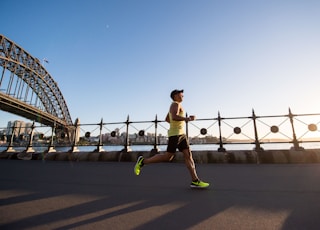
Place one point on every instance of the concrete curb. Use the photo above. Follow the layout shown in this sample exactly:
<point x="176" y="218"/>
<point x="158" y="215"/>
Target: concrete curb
<point x="202" y="157"/>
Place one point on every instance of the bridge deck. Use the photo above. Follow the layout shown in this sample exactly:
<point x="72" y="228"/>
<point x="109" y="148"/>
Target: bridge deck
<point x="106" y="195"/>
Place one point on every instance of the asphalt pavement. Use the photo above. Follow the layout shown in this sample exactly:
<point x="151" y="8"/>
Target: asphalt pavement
<point x="107" y="195"/>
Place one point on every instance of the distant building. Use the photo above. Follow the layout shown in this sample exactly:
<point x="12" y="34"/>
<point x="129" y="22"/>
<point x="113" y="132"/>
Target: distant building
<point x="28" y="128"/>
<point x="16" y="128"/>
<point x="3" y="137"/>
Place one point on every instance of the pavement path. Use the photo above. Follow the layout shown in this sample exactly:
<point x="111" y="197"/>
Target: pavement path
<point x="107" y="195"/>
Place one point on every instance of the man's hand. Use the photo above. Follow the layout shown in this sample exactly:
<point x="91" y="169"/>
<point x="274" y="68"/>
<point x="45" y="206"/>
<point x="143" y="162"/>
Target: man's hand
<point x="192" y="117"/>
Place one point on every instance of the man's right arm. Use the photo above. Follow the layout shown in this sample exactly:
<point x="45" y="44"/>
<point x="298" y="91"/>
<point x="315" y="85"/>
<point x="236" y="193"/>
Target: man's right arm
<point x="174" y="110"/>
<point x="168" y="118"/>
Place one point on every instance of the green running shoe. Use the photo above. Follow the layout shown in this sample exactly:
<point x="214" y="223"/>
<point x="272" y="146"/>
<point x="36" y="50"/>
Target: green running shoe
<point x="199" y="184"/>
<point x="138" y="166"/>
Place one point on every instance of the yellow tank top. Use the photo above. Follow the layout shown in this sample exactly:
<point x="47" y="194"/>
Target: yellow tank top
<point x="176" y="127"/>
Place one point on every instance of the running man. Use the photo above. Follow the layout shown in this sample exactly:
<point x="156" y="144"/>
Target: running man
<point x="177" y="140"/>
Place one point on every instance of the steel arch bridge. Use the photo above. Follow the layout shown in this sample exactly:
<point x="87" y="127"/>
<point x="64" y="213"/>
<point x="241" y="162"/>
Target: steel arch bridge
<point x="27" y="89"/>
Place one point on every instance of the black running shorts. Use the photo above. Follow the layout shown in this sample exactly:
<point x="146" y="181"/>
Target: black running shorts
<point x="177" y="142"/>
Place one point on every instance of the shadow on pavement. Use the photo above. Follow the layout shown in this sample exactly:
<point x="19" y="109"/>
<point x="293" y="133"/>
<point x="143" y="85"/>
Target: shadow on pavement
<point x="91" y="195"/>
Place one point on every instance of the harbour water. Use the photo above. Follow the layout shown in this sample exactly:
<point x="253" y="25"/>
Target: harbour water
<point x="202" y="147"/>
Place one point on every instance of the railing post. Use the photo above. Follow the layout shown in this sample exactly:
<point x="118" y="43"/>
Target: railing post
<point x="155" y="144"/>
<point x="124" y="152"/>
<point x="295" y="141"/>
<point x="221" y="148"/>
<point x="187" y="128"/>
<point x="51" y="146"/>
<point x="27" y="154"/>
<point x="29" y="148"/>
<point x="76" y="130"/>
<point x="99" y="146"/>
<point x="127" y="142"/>
<point x="10" y="146"/>
<point x="257" y="143"/>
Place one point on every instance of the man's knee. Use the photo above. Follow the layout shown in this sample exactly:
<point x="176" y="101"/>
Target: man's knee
<point x="187" y="153"/>
<point x="169" y="156"/>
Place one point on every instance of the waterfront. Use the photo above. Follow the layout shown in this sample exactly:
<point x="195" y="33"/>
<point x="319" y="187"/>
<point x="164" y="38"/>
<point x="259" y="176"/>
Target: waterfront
<point x="202" y="147"/>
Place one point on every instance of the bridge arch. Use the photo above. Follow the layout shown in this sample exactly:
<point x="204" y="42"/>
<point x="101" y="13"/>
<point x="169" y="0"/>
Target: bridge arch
<point x="27" y="89"/>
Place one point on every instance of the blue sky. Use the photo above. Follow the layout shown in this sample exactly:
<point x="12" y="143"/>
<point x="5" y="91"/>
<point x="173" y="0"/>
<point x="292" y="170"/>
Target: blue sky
<point x="117" y="58"/>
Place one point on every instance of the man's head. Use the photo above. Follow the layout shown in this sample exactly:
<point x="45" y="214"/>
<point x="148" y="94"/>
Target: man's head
<point x="175" y="92"/>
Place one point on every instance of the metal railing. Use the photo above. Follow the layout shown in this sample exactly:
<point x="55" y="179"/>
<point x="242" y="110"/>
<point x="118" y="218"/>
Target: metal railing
<point x="252" y="130"/>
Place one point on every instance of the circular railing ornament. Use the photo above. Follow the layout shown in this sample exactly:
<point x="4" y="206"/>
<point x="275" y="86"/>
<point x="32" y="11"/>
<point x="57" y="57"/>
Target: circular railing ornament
<point x="274" y="129"/>
<point x="141" y="133"/>
<point x="237" y="130"/>
<point x="312" y="127"/>
<point x="203" y="131"/>
<point x="87" y="135"/>
<point x="113" y="133"/>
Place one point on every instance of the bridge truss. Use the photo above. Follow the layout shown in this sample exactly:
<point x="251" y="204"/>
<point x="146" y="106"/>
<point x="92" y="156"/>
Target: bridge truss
<point x="27" y="89"/>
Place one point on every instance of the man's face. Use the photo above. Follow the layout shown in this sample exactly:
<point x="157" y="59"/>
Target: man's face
<point x="178" y="97"/>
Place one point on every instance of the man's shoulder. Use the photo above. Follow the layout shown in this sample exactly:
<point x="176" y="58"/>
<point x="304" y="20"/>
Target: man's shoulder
<point x="175" y="103"/>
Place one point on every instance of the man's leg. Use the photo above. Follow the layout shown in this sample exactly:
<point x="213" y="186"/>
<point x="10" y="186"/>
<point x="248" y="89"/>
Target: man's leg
<point x="196" y="182"/>
<point x="167" y="156"/>
<point x="159" y="158"/>
<point x="155" y="159"/>
<point x="188" y="159"/>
